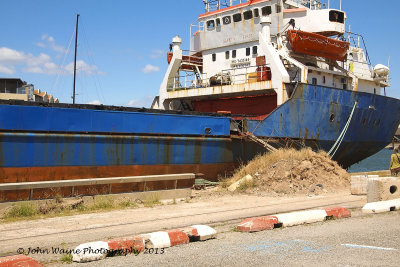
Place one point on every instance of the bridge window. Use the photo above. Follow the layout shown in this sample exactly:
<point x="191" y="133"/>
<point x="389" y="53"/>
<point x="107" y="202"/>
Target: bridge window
<point x="237" y="17"/>
<point x="267" y="10"/>
<point x="314" y="81"/>
<point x="233" y="53"/>
<point x="336" y="16"/>
<point x="210" y="25"/>
<point x="248" y="51"/>
<point x="248" y="15"/>
<point x="226" y="20"/>
<point x="218" y="21"/>
<point x="256" y="13"/>
<point x="214" y="57"/>
<point x="227" y="55"/>
<point x="278" y="8"/>
<point x="254" y="50"/>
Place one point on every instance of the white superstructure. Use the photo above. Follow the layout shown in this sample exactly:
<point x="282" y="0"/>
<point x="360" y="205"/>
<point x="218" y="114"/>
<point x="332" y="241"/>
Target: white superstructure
<point x="241" y="50"/>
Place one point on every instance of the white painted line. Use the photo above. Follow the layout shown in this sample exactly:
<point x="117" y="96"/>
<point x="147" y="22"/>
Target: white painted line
<point x="369" y="247"/>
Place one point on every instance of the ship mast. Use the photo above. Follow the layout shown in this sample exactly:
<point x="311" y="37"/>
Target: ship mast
<point x="76" y="45"/>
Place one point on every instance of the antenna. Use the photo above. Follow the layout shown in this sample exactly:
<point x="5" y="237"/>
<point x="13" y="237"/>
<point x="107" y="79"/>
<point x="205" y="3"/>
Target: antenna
<point x="76" y="45"/>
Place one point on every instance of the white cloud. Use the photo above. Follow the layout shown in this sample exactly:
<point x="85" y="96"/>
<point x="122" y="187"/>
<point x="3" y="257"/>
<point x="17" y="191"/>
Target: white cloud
<point x="10" y="59"/>
<point x="83" y="67"/>
<point x="157" y="53"/>
<point x="145" y="101"/>
<point x="6" y="70"/>
<point x="49" y="42"/>
<point x="95" y="102"/>
<point x="150" y="68"/>
<point x="10" y="56"/>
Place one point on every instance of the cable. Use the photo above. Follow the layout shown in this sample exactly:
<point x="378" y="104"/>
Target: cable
<point x="338" y="142"/>
<point x="61" y="67"/>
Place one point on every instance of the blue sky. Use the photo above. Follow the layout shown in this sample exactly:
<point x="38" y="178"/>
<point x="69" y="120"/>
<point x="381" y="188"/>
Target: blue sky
<point x="123" y="44"/>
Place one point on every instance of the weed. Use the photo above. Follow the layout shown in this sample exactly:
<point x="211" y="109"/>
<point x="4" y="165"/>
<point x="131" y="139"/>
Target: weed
<point x="59" y="198"/>
<point x="127" y="203"/>
<point x="66" y="258"/>
<point x="103" y="204"/>
<point x="153" y="199"/>
<point x="246" y="184"/>
<point x="22" y="209"/>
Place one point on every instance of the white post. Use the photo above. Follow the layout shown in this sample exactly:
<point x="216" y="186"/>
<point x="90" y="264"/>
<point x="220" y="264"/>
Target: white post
<point x="176" y="43"/>
<point x="340" y="4"/>
<point x="329" y="4"/>
<point x="266" y="28"/>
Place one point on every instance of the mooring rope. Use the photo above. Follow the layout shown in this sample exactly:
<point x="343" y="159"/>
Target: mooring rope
<point x="338" y="142"/>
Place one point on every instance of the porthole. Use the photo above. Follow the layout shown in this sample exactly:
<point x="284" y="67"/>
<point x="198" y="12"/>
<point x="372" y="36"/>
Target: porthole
<point x="226" y="20"/>
<point x="332" y="117"/>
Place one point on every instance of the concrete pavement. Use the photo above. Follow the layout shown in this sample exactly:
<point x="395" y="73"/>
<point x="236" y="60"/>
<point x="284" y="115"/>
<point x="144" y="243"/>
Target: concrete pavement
<point x="72" y="230"/>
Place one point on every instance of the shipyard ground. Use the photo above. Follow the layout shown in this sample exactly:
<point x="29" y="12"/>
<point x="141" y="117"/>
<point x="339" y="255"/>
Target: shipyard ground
<point x="358" y="241"/>
<point x="220" y="211"/>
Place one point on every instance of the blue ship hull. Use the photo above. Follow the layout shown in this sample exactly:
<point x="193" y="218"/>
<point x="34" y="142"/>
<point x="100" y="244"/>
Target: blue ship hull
<point x="40" y="143"/>
<point x="316" y="116"/>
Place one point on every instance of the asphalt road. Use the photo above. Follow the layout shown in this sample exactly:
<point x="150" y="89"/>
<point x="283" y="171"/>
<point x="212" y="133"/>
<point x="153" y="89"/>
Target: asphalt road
<point x="363" y="240"/>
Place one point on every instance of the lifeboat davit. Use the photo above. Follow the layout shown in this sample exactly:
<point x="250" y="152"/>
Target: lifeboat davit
<point x="188" y="62"/>
<point x="317" y="45"/>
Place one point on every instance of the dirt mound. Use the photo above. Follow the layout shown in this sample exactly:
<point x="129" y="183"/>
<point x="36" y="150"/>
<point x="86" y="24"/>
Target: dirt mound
<point x="290" y="171"/>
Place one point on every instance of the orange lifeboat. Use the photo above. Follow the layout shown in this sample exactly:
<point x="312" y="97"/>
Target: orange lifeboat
<point x="317" y="45"/>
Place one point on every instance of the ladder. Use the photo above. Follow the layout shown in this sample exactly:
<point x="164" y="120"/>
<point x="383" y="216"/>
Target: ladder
<point x="257" y="140"/>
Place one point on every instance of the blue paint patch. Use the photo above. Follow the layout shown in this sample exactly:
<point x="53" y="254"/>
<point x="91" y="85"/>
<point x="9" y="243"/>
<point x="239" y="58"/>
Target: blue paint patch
<point x="286" y="247"/>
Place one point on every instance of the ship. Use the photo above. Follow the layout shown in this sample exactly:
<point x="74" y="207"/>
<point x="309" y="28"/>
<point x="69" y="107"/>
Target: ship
<point x="260" y="75"/>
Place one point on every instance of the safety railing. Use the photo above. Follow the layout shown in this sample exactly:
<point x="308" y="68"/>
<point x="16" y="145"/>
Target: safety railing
<point x="230" y="76"/>
<point x="311" y="4"/>
<point x="96" y="181"/>
<point x="212" y="5"/>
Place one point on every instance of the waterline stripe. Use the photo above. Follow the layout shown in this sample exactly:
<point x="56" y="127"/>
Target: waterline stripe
<point x="369" y="247"/>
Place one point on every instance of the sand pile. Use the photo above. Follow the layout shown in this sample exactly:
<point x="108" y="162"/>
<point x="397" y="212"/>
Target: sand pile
<point x="290" y="171"/>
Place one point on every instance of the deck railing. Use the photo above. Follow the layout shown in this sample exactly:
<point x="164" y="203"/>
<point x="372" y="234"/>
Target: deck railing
<point x="233" y="76"/>
<point x="31" y="186"/>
